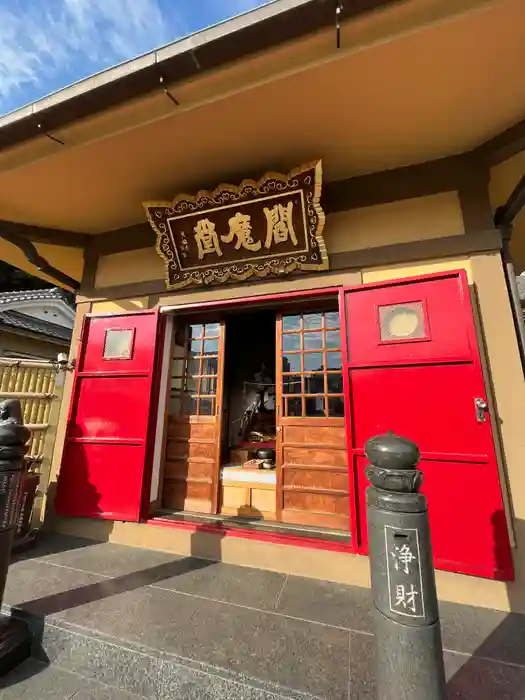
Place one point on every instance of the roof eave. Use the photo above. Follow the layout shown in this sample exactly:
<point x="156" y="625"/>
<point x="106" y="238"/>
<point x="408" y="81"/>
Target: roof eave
<point x="255" y="31"/>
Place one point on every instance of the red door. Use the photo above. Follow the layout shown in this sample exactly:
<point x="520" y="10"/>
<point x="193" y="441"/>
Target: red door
<point x="107" y="448"/>
<point x="414" y="368"/>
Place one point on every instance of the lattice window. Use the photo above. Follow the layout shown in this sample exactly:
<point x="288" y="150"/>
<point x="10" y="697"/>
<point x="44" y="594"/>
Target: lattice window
<point x="312" y="380"/>
<point x="195" y="369"/>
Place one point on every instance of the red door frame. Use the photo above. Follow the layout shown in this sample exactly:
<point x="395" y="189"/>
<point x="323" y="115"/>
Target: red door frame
<point x="483" y="389"/>
<point x="156" y="381"/>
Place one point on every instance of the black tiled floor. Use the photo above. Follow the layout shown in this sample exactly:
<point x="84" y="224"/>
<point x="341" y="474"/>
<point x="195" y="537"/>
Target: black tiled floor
<point x="232" y="584"/>
<point x="108" y="559"/>
<point x="291" y="653"/>
<point x="490" y="634"/>
<point x="146" y="616"/>
<point x="35" y="586"/>
<point x="330" y="603"/>
<point x="471" y="678"/>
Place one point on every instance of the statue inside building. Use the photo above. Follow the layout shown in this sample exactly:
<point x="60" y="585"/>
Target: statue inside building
<point x="258" y="421"/>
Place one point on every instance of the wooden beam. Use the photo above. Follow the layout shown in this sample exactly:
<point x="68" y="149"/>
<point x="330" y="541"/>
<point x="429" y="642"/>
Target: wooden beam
<point x="90" y="264"/>
<point x="474" y="199"/>
<point x="450" y="246"/>
<point x="39" y="234"/>
<point x="33" y="256"/>
<point x="502" y="146"/>
<point x="128" y="238"/>
<point x="408" y="182"/>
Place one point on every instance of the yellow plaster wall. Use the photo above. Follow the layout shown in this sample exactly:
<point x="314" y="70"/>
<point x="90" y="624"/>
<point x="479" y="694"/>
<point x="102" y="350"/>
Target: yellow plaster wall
<point x="120" y="305"/>
<point x="380" y="274"/>
<point x="409" y="220"/>
<point x="435" y="216"/>
<point x="132" y="266"/>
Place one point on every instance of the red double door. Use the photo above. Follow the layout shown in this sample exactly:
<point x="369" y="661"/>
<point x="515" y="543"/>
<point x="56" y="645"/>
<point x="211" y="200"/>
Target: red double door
<point x="412" y="366"/>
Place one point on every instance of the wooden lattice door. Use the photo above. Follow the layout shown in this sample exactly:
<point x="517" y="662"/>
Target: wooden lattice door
<point x="312" y="469"/>
<point x="191" y="470"/>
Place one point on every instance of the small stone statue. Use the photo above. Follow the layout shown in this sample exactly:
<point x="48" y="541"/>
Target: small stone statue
<point x="13" y="435"/>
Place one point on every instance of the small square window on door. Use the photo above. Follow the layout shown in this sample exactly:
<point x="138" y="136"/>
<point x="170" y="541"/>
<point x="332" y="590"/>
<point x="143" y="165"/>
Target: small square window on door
<point x="403" y="322"/>
<point x="118" y="344"/>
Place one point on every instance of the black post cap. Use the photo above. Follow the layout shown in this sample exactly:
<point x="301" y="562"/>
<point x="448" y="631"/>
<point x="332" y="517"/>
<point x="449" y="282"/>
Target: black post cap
<point x="393" y="463"/>
<point x="390" y="451"/>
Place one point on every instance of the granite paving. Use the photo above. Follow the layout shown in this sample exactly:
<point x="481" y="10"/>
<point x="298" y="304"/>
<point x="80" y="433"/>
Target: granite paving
<point x="116" y="622"/>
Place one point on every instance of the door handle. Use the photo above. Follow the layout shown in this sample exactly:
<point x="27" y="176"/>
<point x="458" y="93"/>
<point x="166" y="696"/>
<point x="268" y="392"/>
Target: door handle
<point x="481" y="410"/>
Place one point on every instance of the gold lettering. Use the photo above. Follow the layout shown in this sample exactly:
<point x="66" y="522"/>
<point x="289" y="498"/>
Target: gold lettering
<point x="279" y="224"/>
<point x="206" y="238"/>
<point x="241" y="228"/>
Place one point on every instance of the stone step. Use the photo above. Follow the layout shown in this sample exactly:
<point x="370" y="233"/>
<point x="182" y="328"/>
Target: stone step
<point x="141" y="671"/>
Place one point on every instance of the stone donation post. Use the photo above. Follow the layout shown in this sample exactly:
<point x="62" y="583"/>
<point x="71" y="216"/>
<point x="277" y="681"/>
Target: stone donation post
<point x="408" y="633"/>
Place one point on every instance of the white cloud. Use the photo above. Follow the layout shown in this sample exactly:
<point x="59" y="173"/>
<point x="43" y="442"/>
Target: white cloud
<point x="42" y="40"/>
<point x="46" y="44"/>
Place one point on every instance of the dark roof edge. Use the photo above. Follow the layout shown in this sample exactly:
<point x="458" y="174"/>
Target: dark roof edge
<point x="270" y="25"/>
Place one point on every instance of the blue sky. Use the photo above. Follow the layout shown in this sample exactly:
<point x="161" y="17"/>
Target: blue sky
<point x="48" y="44"/>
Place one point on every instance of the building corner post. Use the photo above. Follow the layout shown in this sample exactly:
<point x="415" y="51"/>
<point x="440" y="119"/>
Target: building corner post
<point x="410" y="662"/>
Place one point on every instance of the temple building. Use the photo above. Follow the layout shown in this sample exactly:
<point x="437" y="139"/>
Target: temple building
<point x="287" y="234"/>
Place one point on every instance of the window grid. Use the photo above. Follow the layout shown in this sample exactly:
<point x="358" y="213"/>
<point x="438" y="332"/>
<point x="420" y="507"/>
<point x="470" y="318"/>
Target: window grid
<point x="195" y="368"/>
<point x="309" y="388"/>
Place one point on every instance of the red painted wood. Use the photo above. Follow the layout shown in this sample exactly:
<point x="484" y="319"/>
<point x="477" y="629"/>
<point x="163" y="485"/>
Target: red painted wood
<point x="108" y="438"/>
<point x="353" y="489"/>
<point x="425" y="391"/>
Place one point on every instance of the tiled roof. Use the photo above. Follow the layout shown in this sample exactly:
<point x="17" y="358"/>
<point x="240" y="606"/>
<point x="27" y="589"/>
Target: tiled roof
<point x="15" y="319"/>
<point x="33" y="295"/>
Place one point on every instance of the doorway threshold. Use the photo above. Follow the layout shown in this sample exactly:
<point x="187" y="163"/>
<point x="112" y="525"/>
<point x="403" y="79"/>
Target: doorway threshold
<point x="255" y="525"/>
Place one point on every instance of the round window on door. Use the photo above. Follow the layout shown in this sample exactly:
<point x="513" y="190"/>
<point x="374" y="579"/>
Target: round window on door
<point x="398" y="322"/>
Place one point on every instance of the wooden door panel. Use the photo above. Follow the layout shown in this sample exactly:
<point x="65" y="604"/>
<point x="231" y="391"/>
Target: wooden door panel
<point x="318" y="457"/>
<point x="471" y="538"/>
<point x="316" y="479"/>
<point x="191" y="470"/>
<point x="103" y="404"/>
<point x="409" y="321"/>
<point x="187" y="495"/>
<point x="331" y="435"/>
<point x="189" y="429"/>
<point x="108" y="446"/>
<point x="188" y="449"/>
<point x="312" y="465"/>
<point x="419" y="377"/>
<point x="431" y="404"/>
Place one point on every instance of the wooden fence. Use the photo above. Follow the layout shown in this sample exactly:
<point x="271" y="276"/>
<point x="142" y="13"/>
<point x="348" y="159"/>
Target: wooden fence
<point x="38" y="385"/>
